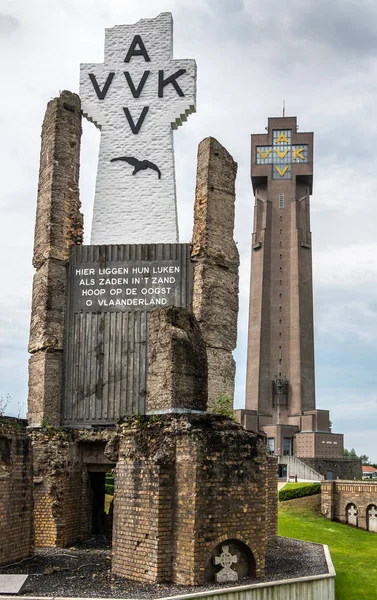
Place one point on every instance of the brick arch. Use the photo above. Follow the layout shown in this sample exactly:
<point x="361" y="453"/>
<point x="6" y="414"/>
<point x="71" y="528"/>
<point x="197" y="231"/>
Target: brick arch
<point x="236" y="535"/>
<point x="254" y="559"/>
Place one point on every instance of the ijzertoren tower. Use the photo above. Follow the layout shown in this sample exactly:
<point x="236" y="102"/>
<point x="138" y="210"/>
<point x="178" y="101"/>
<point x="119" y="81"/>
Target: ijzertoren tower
<point x="280" y="376"/>
<point x="280" y="387"/>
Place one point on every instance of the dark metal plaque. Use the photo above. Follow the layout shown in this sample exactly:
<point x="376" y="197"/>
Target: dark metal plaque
<point x="125" y="285"/>
<point x="111" y="291"/>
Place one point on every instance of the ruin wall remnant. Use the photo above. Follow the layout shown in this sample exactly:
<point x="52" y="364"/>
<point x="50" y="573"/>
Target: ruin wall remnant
<point x="216" y="262"/>
<point x="16" y="495"/>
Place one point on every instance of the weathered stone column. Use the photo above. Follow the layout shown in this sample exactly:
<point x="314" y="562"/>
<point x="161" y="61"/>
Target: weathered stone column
<point x="177" y="378"/>
<point x="58" y="226"/>
<point x="216" y="262"/>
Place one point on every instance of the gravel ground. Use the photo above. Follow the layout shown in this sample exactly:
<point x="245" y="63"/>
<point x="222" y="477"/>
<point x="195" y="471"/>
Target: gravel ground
<point x="85" y="571"/>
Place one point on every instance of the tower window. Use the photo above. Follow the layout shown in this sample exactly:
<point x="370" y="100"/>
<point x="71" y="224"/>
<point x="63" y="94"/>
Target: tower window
<point x="281" y="231"/>
<point x="271" y="445"/>
<point x="281" y="200"/>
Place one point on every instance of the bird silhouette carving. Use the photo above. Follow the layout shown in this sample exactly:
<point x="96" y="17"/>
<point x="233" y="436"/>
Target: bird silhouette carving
<point x="139" y="165"/>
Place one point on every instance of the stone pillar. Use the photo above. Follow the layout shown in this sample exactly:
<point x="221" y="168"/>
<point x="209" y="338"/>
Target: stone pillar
<point x="58" y="227"/>
<point x="177" y="378"/>
<point x="216" y="262"/>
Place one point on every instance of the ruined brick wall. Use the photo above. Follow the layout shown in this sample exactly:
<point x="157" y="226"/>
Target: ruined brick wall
<point x="58" y="226"/>
<point x="184" y="485"/>
<point x="216" y="262"/>
<point x="16" y="499"/>
<point x="62" y="502"/>
<point x="336" y="496"/>
<point x="144" y="484"/>
<point x="57" y="485"/>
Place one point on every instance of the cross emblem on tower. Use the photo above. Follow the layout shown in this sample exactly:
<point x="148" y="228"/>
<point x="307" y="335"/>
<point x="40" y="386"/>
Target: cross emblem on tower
<point x="283" y="153"/>
<point x="136" y="98"/>
<point x="372" y="512"/>
<point x="226" y="559"/>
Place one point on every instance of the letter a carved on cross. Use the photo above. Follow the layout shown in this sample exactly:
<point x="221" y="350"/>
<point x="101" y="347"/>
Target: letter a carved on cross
<point x="136" y="98"/>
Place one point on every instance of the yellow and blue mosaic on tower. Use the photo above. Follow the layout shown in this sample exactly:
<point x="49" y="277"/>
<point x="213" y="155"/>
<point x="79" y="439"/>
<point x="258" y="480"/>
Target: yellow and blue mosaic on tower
<point x="281" y="155"/>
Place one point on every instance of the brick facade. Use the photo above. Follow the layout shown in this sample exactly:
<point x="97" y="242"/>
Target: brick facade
<point x="335" y="468"/>
<point x="184" y="485"/>
<point x="337" y="498"/>
<point x="16" y="499"/>
<point x="62" y="494"/>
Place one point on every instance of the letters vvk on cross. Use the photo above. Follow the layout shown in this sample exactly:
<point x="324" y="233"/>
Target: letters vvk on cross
<point x="137" y="96"/>
<point x="137" y="48"/>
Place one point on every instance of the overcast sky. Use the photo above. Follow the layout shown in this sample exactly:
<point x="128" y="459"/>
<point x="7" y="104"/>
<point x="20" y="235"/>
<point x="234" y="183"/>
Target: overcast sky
<point x="319" y="56"/>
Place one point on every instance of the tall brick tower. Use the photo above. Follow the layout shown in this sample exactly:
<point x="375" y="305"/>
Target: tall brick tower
<point x="280" y="367"/>
<point x="280" y="376"/>
<point x="280" y="385"/>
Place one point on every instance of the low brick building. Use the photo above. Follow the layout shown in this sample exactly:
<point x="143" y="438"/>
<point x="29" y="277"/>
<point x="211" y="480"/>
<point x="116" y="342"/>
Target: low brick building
<point x="16" y="496"/>
<point x="350" y="502"/>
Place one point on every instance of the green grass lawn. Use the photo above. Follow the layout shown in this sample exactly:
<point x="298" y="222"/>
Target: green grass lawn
<point x="353" y="551"/>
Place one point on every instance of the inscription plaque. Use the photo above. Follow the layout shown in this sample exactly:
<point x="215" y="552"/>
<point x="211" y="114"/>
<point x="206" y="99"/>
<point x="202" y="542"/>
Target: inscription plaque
<point x="121" y="285"/>
<point x="111" y="292"/>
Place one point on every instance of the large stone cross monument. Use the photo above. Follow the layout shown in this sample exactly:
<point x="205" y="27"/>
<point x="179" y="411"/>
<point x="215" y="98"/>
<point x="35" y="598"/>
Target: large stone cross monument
<point x="137" y="97"/>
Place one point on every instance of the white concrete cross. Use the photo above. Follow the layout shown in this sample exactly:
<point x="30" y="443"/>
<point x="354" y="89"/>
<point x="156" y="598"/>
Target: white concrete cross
<point x="137" y="97"/>
<point x="352" y="515"/>
<point x="372" y="518"/>
<point x="226" y="559"/>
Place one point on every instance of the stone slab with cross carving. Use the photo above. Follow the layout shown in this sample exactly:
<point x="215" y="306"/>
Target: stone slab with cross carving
<point x="136" y="97"/>
<point x="226" y="560"/>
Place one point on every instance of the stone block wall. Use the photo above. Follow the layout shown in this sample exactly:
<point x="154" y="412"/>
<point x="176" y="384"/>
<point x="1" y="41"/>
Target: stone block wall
<point x="184" y="485"/>
<point x="350" y="502"/>
<point x="16" y="499"/>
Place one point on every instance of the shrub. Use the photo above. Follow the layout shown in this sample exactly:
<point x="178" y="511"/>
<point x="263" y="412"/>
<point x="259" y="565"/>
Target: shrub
<point x="299" y="492"/>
